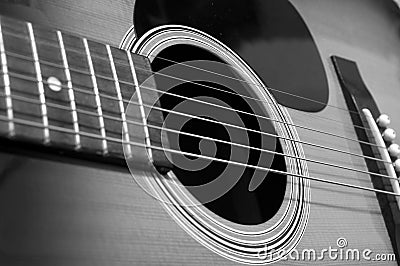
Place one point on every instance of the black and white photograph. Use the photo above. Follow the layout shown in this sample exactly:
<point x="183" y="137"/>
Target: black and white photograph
<point x="199" y="132"/>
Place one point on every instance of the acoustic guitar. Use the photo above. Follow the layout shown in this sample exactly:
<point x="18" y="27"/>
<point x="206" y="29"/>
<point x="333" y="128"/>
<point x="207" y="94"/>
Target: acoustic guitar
<point x="199" y="132"/>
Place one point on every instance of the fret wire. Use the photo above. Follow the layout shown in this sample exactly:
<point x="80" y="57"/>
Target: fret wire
<point x="125" y="132"/>
<point x="39" y="77"/>
<point x="71" y="94"/>
<point x="96" y="91"/>
<point x="7" y="86"/>
<point x="35" y="124"/>
<point x="204" y="137"/>
<point x="141" y="105"/>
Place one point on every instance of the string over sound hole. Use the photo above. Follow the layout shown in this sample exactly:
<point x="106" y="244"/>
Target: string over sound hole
<point x="219" y="133"/>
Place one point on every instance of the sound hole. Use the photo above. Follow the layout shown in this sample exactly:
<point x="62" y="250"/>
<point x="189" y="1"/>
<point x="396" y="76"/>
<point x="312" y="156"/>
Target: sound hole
<point x="240" y="204"/>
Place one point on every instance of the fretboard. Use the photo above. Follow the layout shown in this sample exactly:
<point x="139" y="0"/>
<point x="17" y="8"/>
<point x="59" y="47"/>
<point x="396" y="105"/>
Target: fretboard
<point x="71" y="93"/>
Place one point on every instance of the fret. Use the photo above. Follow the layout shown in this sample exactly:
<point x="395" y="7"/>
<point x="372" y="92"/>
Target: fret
<point x="97" y="97"/>
<point x="5" y="101"/>
<point x="125" y="133"/>
<point x="141" y="107"/>
<point x="84" y="96"/>
<point x="22" y="78"/>
<point x="46" y="132"/>
<point x="154" y="135"/>
<point x="108" y="95"/>
<point x="70" y="91"/>
<point x="56" y="97"/>
<point x="135" y="129"/>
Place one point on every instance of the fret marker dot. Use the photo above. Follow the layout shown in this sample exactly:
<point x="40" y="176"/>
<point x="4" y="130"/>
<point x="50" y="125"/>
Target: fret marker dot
<point x="54" y="84"/>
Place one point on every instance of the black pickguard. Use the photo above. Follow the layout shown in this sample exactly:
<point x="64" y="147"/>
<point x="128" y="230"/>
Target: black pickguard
<point x="270" y="35"/>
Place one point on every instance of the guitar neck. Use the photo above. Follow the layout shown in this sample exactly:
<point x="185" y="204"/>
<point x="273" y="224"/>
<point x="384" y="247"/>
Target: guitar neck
<point x="68" y="92"/>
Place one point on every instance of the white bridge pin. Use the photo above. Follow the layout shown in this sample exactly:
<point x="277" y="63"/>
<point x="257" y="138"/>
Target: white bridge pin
<point x="383" y="121"/>
<point x="54" y="84"/>
<point x="397" y="165"/>
<point x="389" y="134"/>
<point x="394" y="150"/>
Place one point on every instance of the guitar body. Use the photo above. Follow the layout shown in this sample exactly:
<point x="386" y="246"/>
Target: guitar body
<point x="63" y="213"/>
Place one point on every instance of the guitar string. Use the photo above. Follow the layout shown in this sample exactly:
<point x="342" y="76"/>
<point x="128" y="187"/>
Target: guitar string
<point x="252" y="84"/>
<point x="211" y="72"/>
<point x="262" y="133"/>
<point x="54" y="105"/>
<point x="263" y="169"/>
<point x="263" y="117"/>
<point x="255" y="115"/>
<point x="227" y="124"/>
<point x="50" y="43"/>
<point x="219" y="106"/>
<point x="103" y="59"/>
<point x="216" y="122"/>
